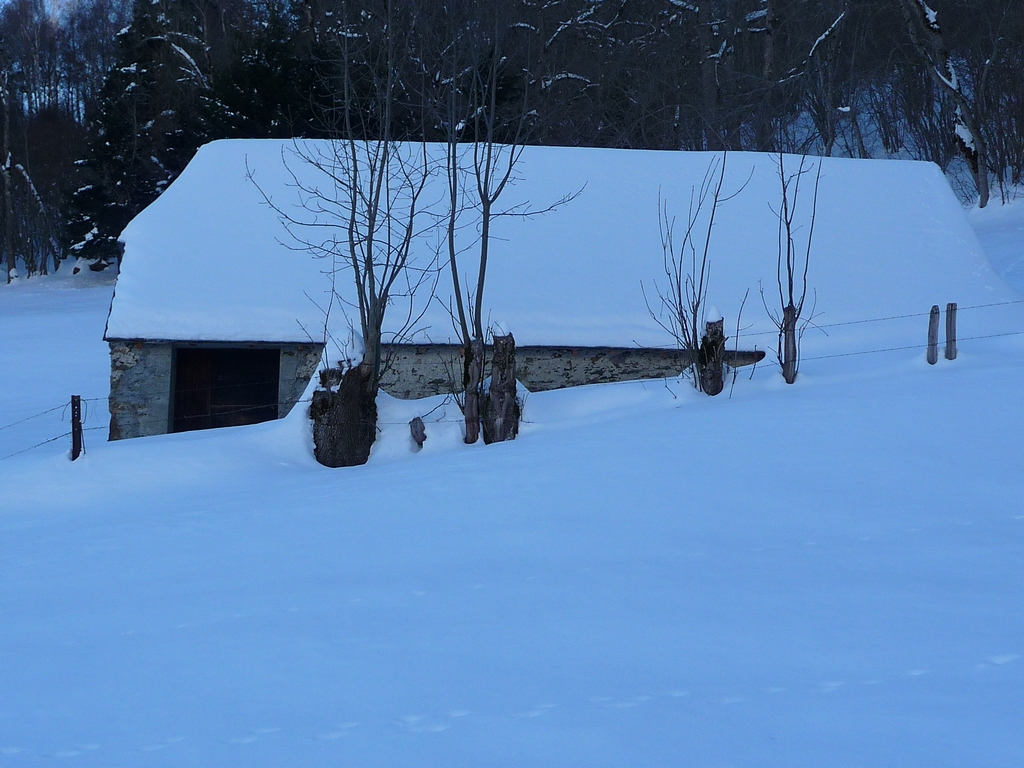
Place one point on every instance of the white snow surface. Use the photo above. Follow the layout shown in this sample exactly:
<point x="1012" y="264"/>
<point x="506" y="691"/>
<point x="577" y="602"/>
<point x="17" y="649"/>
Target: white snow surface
<point x="1000" y="228"/>
<point x="823" y="574"/>
<point x="210" y="260"/>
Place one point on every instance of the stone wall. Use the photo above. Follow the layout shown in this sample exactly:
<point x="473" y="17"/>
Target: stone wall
<point x="141" y="382"/>
<point x="141" y="374"/>
<point x="298" y="364"/>
<point x="419" y="370"/>
<point x="140" y="388"/>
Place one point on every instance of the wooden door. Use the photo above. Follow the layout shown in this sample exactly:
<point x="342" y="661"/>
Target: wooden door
<point x="225" y="387"/>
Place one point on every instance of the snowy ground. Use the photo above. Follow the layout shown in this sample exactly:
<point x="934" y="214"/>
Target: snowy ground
<point x="1001" y="231"/>
<point x="819" y="575"/>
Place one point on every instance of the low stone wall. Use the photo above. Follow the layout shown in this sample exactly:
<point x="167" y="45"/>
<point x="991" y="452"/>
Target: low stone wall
<point x="141" y="374"/>
<point x="420" y="370"/>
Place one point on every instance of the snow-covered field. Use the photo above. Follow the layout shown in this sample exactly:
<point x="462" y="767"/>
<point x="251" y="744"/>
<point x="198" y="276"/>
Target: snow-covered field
<point x="827" y="574"/>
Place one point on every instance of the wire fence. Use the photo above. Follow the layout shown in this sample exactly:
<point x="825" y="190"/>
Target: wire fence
<point x="166" y="425"/>
<point x="909" y="346"/>
<point x="822" y="326"/>
<point x="34" y="416"/>
<point x="37" y="445"/>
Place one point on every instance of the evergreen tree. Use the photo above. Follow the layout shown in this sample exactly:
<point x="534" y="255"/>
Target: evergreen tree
<point x="266" y="90"/>
<point x="153" y="113"/>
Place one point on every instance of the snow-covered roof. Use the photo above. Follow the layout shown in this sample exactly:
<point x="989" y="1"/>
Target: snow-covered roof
<point x="210" y="260"/>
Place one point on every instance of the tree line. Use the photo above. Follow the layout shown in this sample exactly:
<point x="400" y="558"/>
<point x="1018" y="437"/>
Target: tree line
<point x="104" y="102"/>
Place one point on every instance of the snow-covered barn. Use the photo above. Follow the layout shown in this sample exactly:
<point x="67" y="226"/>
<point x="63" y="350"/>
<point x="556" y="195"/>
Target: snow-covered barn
<point x="218" y="318"/>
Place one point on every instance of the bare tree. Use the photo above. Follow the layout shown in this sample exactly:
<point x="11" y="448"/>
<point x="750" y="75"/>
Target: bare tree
<point x="361" y="196"/>
<point x="681" y="307"/>
<point x="484" y="138"/>
<point x="793" y="264"/>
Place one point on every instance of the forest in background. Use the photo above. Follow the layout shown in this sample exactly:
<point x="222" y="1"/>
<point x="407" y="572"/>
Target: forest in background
<point x="104" y="102"/>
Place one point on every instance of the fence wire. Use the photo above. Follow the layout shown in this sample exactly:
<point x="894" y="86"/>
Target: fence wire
<point x="37" y="445"/>
<point x="292" y="403"/>
<point x="885" y="319"/>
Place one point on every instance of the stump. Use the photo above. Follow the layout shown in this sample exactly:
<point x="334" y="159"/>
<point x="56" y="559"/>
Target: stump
<point x="709" y="358"/>
<point x="418" y="431"/>
<point x="345" y="420"/>
<point x="501" y="409"/>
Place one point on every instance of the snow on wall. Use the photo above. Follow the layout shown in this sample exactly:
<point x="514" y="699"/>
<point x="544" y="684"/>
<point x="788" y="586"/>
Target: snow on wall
<point x="210" y="260"/>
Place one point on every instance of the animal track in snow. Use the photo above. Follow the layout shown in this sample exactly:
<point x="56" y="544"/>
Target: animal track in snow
<point x="540" y="709"/>
<point x="422" y="724"/>
<point x="338" y="733"/>
<point x="162" y="744"/>
<point x="636" y="701"/>
<point x="612" y="703"/>
<point x="1004" y="658"/>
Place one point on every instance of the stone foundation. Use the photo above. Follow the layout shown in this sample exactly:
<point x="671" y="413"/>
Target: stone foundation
<point x="141" y="374"/>
<point x="140" y="388"/>
<point x="420" y="370"/>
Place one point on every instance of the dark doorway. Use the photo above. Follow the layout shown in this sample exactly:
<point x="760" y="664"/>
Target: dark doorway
<point x="225" y="387"/>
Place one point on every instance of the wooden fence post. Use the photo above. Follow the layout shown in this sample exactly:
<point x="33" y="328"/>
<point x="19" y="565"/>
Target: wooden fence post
<point x="951" y="331"/>
<point x="933" y="335"/>
<point x="76" y="426"/>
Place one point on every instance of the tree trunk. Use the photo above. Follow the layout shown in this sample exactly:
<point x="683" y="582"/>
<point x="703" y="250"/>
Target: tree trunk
<point x="501" y="417"/>
<point x="472" y="378"/>
<point x="771" y="25"/>
<point x="344" y="421"/>
<point x="709" y="358"/>
<point x="789" y="360"/>
<point x="5" y="175"/>
<point x="764" y="133"/>
<point x="709" y="62"/>
<point x="931" y="44"/>
<point x="858" y="136"/>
